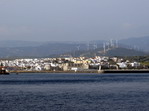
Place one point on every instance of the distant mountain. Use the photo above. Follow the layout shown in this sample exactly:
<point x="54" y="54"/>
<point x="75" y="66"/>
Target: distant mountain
<point x="43" y="50"/>
<point x="111" y="52"/>
<point x="124" y="52"/>
<point x="11" y="49"/>
<point x="15" y="43"/>
<point x="139" y="43"/>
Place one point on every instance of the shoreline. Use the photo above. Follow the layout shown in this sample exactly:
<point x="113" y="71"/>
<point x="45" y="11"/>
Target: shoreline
<point x="89" y="71"/>
<point x="54" y="71"/>
<point x="127" y="71"/>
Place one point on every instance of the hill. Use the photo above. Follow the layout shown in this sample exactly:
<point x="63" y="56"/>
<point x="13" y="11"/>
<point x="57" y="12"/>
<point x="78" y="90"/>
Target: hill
<point x="124" y="52"/>
<point x="12" y="49"/>
<point x="139" y="43"/>
<point x="15" y="43"/>
<point x="44" y="50"/>
<point x="110" y="52"/>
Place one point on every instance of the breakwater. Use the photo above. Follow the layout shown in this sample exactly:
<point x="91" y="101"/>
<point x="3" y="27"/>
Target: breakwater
<point x="82" y="71"/>
<point x="126" y="71"/>
<point x="89" y="71"/>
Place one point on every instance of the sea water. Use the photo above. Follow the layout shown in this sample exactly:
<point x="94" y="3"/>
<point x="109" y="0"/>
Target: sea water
<point x="74" y="92"/>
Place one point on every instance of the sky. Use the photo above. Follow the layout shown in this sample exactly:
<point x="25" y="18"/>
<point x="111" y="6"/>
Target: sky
<point x="73" y="20"/>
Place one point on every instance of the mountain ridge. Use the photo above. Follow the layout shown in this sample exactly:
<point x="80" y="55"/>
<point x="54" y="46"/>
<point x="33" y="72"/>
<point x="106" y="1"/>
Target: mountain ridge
<point x="49" y="49"/>
<point x="139" y="43"/>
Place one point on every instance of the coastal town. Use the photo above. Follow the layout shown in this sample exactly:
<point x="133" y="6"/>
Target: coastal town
<point x="69" y="63"/>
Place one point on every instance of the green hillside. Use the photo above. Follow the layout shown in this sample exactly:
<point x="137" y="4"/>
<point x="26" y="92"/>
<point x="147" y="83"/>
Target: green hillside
<point x="109" y="52"/>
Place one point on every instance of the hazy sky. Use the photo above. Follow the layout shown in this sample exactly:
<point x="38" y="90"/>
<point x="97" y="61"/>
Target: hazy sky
<point x="65" y="20"/>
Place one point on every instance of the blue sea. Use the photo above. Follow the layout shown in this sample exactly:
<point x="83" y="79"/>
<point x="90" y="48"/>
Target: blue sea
<point x="74" y="92"/>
